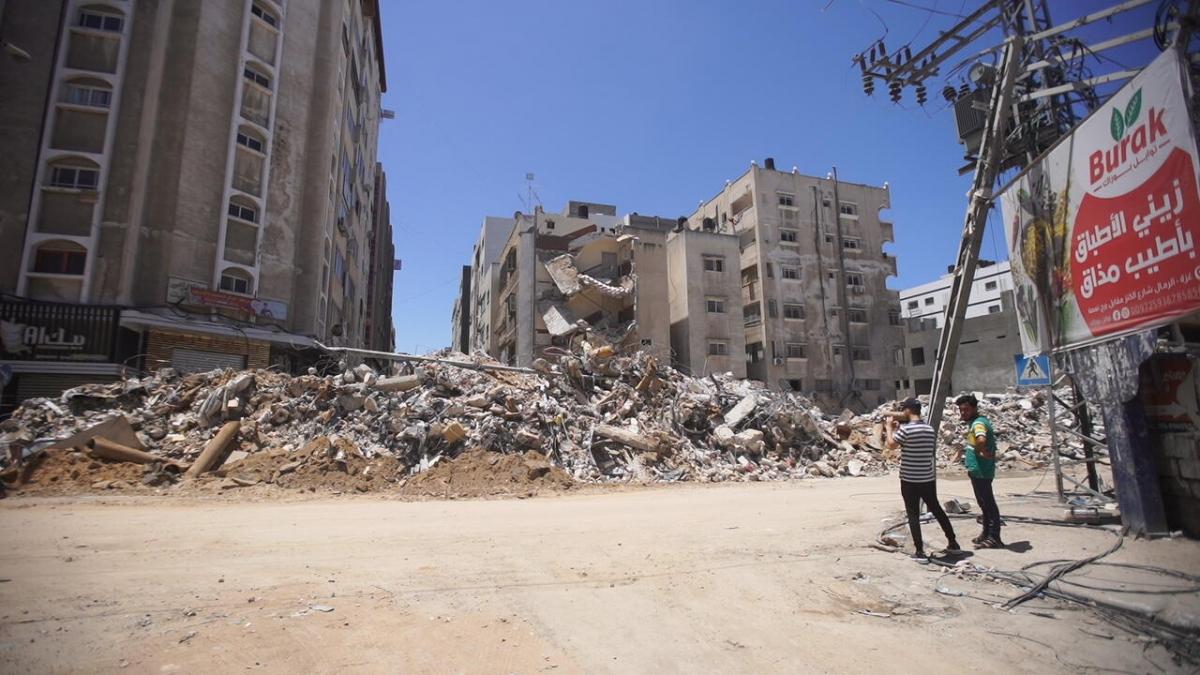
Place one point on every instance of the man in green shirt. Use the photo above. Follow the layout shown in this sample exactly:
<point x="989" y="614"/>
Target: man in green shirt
<point x="980" y="453"/>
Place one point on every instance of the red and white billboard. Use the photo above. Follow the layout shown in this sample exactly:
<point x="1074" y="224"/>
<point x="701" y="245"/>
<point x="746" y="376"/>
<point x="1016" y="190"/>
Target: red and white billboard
<point x="1102" y="231"/>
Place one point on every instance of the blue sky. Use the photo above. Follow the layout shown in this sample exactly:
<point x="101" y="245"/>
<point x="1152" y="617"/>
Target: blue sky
<point x="652" y="105"/>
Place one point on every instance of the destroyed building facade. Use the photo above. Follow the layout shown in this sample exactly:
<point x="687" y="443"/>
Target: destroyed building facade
<point x="818" y="316"/>
<point x="990" y="333"/>
<point x="162" y="161"/>
<point x="586" y="273"/>
<point x="563" y="273"/>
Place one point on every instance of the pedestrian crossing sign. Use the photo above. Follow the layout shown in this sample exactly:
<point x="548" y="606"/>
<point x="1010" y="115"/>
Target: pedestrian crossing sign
<point x="1033" y="371"/>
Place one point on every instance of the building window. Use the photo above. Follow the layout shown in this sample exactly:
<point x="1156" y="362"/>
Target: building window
<point x="898" y="357"/>
<point x="893" y="317"/>
<point x="989" y="286"/>
<point x="867" y="385"/>
<point x="786" y="199"/>
<point x="714" y="263"/>
<point x="93" y="97"/>
<point x="794" y="312"/>
<point x="823" y="385"/>
<point x="913" y="304"/>
<point x="788" y="272"/>
<point x="263" y="14"/>
<point x="854" y="279"/>
<point x="74" y="177"/>
<point x="235" y="281"/>
<point x="993" y="309"/>
<point x="860" y="354"/>
<point x="848" y="209"/>
<point x="60" y="257"/>
<point x="788" y="236"/>
<point x="249" y="141"/>
<point x="796" y="385"/>
<point x="928" y="301"/>
<point x="918" y="356"/>
<point x="257" y="77"/>
<point x="247" y="213"/>
<point x="718" y="348"/>
<point x="715" y="305"/>
<point x="851" y="244"/>
<point x="795" y="350"/>
<point x="857" y="315"/>
<point x="90" y="18"/>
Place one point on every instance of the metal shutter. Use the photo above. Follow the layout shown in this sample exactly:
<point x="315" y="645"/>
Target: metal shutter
<point x="197" y="361"/>
<point x="47" y="385"/>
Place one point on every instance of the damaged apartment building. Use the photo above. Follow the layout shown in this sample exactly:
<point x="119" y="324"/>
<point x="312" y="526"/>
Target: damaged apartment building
<point x="780" y="278"/>
<point x="543" y="281"/>
<point x="817" y="314"/>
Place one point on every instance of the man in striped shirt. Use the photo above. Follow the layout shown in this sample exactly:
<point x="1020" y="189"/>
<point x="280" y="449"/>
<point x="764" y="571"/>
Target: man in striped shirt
<point x="918" y="473"/>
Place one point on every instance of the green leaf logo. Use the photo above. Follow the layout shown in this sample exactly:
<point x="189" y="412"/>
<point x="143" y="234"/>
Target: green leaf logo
<point x="1117" y="127"/>
<point x="1133" y="109"/>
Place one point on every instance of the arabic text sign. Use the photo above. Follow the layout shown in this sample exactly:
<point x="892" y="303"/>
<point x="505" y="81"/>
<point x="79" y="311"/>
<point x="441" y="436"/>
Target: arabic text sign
<point x="42" y="331"/>
<point x="1102" y="232"/>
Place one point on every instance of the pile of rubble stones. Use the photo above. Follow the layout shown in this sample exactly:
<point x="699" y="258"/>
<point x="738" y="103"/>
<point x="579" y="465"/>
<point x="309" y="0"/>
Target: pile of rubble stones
<point x="593" y="416"/>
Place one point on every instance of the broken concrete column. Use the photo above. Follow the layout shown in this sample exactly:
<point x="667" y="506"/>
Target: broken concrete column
<point x="739" y="412"/>
<point x="398" y="383"/>
<point x="625" y="437"/>
<point x="116" y="452"/>
<point x="210" y="457"/>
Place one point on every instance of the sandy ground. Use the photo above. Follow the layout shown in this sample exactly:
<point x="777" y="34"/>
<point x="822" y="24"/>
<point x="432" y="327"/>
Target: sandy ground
<point x="732" y="578"/>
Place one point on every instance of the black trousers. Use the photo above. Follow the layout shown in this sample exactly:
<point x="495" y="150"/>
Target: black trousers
<point x="987" y="504"/>
<point x="914" y="494"/>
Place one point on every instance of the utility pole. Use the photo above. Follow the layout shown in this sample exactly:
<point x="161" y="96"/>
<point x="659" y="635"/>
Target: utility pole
<point x="1031" y="104"/>
<point x="1043" y="87"/>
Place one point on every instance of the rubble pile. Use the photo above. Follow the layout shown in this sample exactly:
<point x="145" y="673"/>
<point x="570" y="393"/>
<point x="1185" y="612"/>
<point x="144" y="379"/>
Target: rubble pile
<point x="444" y="430"/>
<point x="1021" y="422"/>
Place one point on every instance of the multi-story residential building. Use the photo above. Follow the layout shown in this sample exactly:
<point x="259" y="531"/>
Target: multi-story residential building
<point x="638" y="280"/>
<point x="818" y="316"/>
<point x="460" y="316"/>
<point x="205" y="170"/>
<point x="704" y="301"/>
<point x="928" y="301"/>
<point x="378" y="326"/>
<point x="485" y="272"/>
<point x="990" y="334"/>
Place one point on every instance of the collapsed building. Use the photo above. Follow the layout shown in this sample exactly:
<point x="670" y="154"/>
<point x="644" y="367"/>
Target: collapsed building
<point x="779" y="278"/>
<point x="640" y="281"/>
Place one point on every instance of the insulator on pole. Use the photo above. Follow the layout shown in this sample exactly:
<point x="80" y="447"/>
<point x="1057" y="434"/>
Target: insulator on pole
<point x="921" y="95"/>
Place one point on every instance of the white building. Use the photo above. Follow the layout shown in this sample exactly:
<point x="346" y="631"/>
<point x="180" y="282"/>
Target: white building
<point x="928" y="301"/>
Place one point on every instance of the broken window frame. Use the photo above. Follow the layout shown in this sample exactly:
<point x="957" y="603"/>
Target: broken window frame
<point x="713" y="263"/>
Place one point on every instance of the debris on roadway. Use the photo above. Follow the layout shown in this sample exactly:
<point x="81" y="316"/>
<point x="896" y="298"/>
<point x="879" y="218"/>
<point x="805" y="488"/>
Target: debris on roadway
<point x="445" y="430"/>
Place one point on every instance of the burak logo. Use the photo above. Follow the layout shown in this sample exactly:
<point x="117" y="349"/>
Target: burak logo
<point x="1129" y="140"/>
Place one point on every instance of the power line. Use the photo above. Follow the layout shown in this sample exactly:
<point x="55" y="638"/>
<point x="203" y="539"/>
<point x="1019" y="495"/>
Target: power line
<point x="931" y="10"/>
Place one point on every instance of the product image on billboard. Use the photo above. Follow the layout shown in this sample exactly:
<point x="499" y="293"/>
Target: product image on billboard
<point x="1102" y="231"/>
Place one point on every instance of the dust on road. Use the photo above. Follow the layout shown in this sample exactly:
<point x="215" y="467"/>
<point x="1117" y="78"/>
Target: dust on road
<point x="730" y="578"/>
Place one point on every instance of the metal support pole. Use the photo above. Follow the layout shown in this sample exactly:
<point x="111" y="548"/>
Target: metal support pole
<point x="1058" y="474"/>
<point x="987" y="169"/>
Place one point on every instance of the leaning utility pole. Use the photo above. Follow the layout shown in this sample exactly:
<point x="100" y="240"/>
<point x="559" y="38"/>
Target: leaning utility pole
<point x="979" y="199"/>
<point x="1030" y="105"/>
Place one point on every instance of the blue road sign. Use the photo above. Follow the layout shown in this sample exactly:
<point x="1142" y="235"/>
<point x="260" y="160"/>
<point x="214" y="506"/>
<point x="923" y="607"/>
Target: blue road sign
<point x="1033" y="371"/>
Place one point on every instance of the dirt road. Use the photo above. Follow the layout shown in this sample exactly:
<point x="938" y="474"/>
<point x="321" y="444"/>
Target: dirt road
<point x="732" y="578"/>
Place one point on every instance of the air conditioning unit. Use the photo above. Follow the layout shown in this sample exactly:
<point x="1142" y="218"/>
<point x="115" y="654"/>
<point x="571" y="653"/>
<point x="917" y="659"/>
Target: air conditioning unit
<point x="779" y="360"/>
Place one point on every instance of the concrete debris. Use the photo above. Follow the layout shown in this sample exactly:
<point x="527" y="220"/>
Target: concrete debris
<point x="595" y="413"/>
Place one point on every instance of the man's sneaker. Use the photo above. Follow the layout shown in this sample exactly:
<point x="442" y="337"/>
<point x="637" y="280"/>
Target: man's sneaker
<point x="919" y="557"/>
<point x="979" y="539"/>
<point x="990" y="542"/>
<point x="953" y="546"/>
